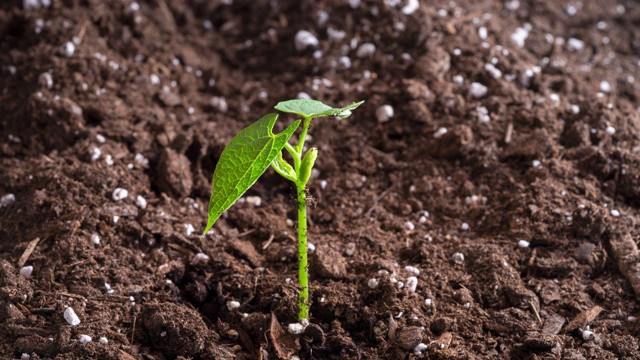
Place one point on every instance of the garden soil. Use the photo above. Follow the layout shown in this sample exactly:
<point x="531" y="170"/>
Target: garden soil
<point x="506" y="181"/>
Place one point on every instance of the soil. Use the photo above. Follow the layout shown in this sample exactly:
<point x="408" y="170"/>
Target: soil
<point x="519" y="207"/>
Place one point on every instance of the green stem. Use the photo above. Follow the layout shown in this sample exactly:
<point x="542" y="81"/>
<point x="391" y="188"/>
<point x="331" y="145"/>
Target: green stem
<point x="303" y="135"/>
<point x="295" y="154"/>
<point x="303" y="265"/>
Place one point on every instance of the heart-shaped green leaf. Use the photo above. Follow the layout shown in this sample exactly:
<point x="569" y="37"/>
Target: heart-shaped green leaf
<point x="243" y="161"/>
<point x="310" y="109"/>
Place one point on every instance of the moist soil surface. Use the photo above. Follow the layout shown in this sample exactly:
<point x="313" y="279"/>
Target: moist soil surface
<point x="494" y="215"/>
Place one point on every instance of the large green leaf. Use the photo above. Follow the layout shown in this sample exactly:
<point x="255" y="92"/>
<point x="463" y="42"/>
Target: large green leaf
<point x="313" y="108"/>
<point x="243" y="161"/>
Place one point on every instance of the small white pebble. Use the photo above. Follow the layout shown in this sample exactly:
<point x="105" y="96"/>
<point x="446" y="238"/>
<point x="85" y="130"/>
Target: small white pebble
<point x="141" y="202"/>
<point x="365" y="50"/>
<point x="523" y="243"/>
<point x="457" y="52"/>
<point x="575" y="44"/>
<point x="464" y="226"/>
<point x="232" y="305"/>
<point x="614" y="213"/>
<point x="25" y="356"/>
<point x="350" y="249"/>
<point x="458" y="79"/>
<point x="109" y="160"/>
<point x="132" y="299"/>
<point x="345" y="62"/>
<point x="254" y="200"/>
<point x="588" y="335"/>
<point x="95" y="239"/>
<point x="373" y="283"/>
<point x="575" y="109"/>
<point x="420" y="348"/>
<point x="610" y="130"/>
<point x="7" y="200"/>
<point x="201" y="257"/>
<point x="412" y="270"/>
<point x="412" y="283"/>
<point x="95" y="154"/>
<point x="512" y="5"/>
<point x="163" y="334"/>
<point x="189" y="229"/>
<point x="287" y="281"/>
<point x="310" y="247"/>
<point x="47" y="79"/>
<point x="428" y="302"/>
<point x="71" y="317"/>
<point x="26" y="271"/>
<point x="477" y="90"/>
<point x="410" y="7"/>
<point x="141" y="160"/>
<point x="605" y="87"/>
<point x="458" y="258"/>
<point x="303" y="95"/>
<point x="483" y="114"/>
<point x="400" y="284"/>
<point x="100" y="138"/>
<point x="384" y="113"/>
<point x="304" y="39"/>
<point x="409" y="226"/>
<point x="323" y="184"/>
<point x="520" y="36"/>
<point x="103" y="340"/>
<point x="494" y="71"/>
<point x="219" y="103"/>
<point x="85" y="339"/>
<point x="296" y="328"/>
<point x="440" y="132"/>
<point x="119" y="194"/>
<point x="482" y="32"/>
<point x="68" y="49"/>
<point x="536" y="163"/>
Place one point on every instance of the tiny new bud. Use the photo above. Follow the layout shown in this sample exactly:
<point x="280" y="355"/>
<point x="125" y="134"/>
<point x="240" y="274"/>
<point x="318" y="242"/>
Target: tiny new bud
<point x="307" y="164"/>
<point x="345" y="114"/>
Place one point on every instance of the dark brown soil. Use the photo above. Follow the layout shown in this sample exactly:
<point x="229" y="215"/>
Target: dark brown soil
<point x="150" y="94"/>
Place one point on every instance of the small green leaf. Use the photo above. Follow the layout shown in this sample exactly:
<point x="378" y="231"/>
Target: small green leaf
<point x="313" y="108"/>
<point x="243" y="161"/>
<point x="283" y="168"/>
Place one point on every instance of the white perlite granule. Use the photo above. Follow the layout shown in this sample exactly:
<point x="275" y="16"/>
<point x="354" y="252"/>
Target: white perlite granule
<point x="119" y="194"/>
<point x="71" y="317"/>
<point x="26" y="271"/>
<point x="305" y="39"/>
<point x="477" y="90"/>
<point x="85" y="339"/>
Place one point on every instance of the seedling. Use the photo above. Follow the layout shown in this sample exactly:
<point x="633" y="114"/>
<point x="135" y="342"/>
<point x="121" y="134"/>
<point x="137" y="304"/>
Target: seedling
<point x="250" y="154"/>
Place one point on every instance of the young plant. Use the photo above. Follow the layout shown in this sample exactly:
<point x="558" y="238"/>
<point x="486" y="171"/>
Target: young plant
<point x="250" y="154"/>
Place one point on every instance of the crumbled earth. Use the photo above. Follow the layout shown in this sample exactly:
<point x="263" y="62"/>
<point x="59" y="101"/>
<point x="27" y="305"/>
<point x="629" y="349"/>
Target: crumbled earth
<point x="507" y="177"/>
